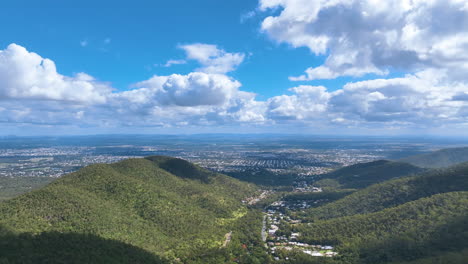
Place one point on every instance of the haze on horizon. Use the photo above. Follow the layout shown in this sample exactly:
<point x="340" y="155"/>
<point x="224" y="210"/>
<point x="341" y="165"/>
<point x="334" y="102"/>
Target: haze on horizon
<point x="345" y="67"/>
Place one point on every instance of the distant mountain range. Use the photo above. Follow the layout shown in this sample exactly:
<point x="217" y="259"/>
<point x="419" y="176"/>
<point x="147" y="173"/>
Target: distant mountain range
<point x="361" y="175"/>
<point x="439" y="159"/>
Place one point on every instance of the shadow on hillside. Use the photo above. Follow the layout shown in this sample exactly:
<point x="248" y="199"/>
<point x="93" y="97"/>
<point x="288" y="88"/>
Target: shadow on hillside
<point x="449" y="238"/>
<point x="181" y="168"/>
<point x="55" y="247"/>
<point x="263" y="177"/>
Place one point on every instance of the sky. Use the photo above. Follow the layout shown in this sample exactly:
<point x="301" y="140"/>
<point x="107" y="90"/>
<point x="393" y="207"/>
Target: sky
<point x="234" y="66"/>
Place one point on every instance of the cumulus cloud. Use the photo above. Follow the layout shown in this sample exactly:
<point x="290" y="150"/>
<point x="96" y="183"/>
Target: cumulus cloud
<point x="426" y="39"/>
<point x="244" y="108"/>
<point x="33" y="92"/>
<point x="427" y="98"/>
<point x="193" y="99"/>
<point x="424" y="98"/>
<point x="307" y="103"/>
<point x="193" y="89"/>
<point x="213" y="59"/>
<point x="25" y="74"/>
<point x="361" y="37"/>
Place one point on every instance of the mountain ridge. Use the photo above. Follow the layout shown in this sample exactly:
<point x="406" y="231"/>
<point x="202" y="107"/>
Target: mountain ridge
<point x="396" y="191"/>
<point x="136" y="202"/>
<point x="362" y="175"/>
<point x="440" y="158"/>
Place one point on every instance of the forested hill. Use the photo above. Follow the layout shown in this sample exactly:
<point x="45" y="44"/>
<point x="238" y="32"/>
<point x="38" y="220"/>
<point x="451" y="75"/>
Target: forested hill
<point x="416" y="219"/>
<point x="425" y="229"/>
<point x="150" y="210"/>
<point x="361" y="175"/>
<point x="395" y="192"/>
<point x="439" y="159"/>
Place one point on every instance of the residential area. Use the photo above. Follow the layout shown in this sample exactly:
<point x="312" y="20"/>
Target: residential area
<point x="278" y="240"/>
<point x="277" y="232"/>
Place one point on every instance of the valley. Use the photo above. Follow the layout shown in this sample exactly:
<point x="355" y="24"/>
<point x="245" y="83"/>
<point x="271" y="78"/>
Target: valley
<point x="159" y="209"/>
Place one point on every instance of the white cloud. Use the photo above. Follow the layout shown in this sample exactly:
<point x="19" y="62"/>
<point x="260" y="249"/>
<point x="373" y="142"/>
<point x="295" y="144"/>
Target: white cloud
<point x="369" y="36"/>
<point x="32" y="92"/>
<point x="169" y="63"/>
<point x="213" y="59"/>
<point x="244" y="108"/>
<point x="307" y="103"/>
<point x="426" y="39"/>
<point x="194" y="89"/>
<point x="25" y="74"/>
<point x="325" y="72"/>
<point x="424" y="98"/>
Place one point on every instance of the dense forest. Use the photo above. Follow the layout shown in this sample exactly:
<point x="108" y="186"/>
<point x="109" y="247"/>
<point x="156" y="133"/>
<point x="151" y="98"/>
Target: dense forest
<point x="409" y="231"/>
<point x="13" y="186"/>
<point x="166" y="207"/>
<point x="395" y="192"/>
<point x="69" y="247"/>
<point x="416" y="219"/>
<point x="362" y="175"/>
<point x="263" y="177"/>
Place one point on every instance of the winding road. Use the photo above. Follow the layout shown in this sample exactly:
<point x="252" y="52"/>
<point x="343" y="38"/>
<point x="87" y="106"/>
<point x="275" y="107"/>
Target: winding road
<point x="264" y="233"/>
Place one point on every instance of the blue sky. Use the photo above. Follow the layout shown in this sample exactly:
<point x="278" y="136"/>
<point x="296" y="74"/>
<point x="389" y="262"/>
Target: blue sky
<point x="144" y="34"/>
<point x="385" y="52"/>
<point x="135" y="37"/>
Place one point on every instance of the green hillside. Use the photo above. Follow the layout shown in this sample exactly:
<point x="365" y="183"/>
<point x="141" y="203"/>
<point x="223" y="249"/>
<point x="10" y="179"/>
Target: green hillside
<point x="13" y="186"/>
<point x="56" y="247"/>
<point x="414" y="230"/>
<point x="395" y="192"/>
<point x="452" y="257"/>
<point x="167" y="207"/>
<point x="264" y="177"/>
<point x="439" y="159"/>
<point x="416" y="219"/>
<point x="361" y="175"/>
